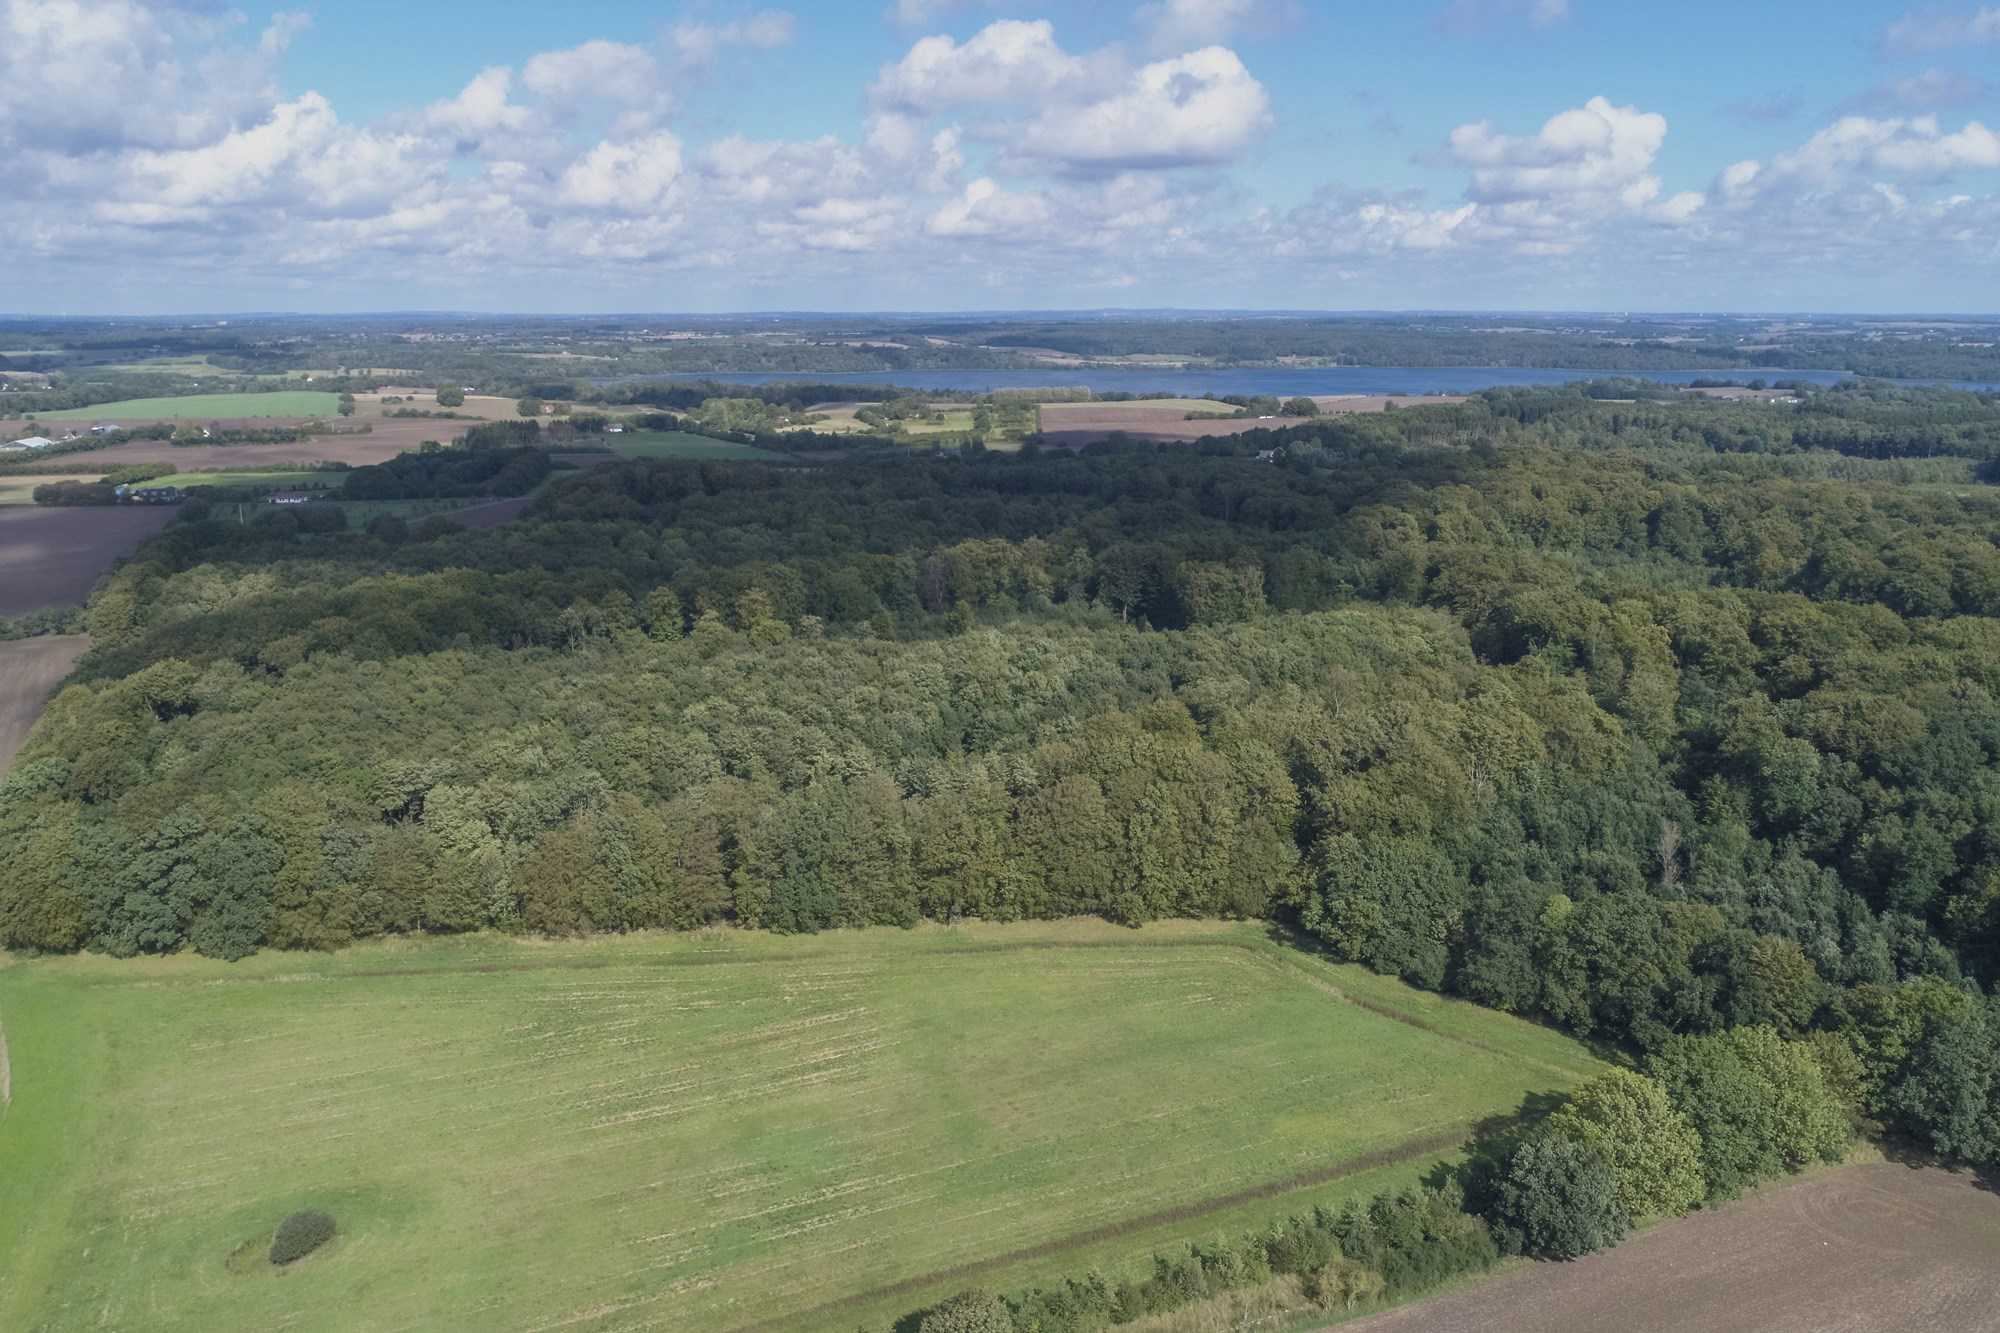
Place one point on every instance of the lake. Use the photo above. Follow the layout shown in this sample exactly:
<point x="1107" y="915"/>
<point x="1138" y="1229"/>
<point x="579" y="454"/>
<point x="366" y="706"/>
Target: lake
<point x="1411" y="381"/>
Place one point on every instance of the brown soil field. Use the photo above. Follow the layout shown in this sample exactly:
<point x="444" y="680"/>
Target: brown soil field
<point x="30" y="670"/>
<point x="1077" y="424"/>
<point x="1863" y="1249"/>
<point x="52" y="557"/>
<point x="388" y="439"/>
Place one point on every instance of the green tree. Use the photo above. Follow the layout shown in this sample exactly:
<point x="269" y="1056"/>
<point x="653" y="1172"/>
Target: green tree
<point x="529" y="407"/>
<point x="1301" y="407"/>
<point x="1760" y="1104"/>
<point x="347" y="404"/>
<point x="450" y="395"/>
<point x="968" y="1312"/>
<point x="1559" y="1198"/>
<point x="1653" y="1150"/>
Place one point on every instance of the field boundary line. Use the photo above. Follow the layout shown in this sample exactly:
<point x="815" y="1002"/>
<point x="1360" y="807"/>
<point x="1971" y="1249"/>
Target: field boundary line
<point x="6" y="1073"/>
<point x="1409" y="1150"/>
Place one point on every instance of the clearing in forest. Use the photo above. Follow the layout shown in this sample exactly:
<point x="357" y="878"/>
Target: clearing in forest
<point x="722" y="1130"/>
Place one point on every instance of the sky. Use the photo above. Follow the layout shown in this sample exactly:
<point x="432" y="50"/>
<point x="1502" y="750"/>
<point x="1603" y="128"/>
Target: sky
<point x="941" y="155"/>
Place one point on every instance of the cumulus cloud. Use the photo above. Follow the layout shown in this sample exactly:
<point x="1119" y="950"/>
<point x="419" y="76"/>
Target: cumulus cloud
<point x="1939" y="30"/>
<point x="1202" y="108"/>
<point x="81" y="76"/>
<point x="1596" y="158"/>
<point x="1854" y="146"/>
<point x="481" y="108"/>
<point x="1008" y="60"/>
<point x="632" y="177"/>
<point x="984" y="209"/>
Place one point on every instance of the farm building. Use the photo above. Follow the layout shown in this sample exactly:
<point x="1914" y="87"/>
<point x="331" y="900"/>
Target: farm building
<point x="101" y="428"/>
<point x="32" y="442"/>
<point x="288" y="498"/>
<point x="153" y="495"/>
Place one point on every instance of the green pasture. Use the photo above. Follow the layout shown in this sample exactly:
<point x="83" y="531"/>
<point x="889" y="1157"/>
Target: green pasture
<point x="330" y="481"/>
<point x="714" y="1131"/>
<point x="955" y="421"/>
<point x="681" y="444"/>
<point x="207" y="407"/>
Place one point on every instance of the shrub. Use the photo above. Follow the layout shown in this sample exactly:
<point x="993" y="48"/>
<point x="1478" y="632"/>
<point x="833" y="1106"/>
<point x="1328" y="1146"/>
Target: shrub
<point x="968" y="1312"/>
<point x="1559" y="1198"/>
<point x="1344" y="1284"/>
<point x="300" y="1234"/>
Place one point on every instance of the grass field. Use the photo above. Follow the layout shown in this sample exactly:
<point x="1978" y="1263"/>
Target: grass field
<point x="955" y="420"/>
<point x="206" y="407"/>
<point x="20" y="489"/>
<point x="716" y="1131"/>
<point x="681" y="444"/>
<point x="283" y="481"/>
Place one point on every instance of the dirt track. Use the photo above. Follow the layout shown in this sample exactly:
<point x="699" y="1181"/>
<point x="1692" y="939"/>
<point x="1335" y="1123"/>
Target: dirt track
<point x="1865" y="1249"/>
<point x="30" y="670"/>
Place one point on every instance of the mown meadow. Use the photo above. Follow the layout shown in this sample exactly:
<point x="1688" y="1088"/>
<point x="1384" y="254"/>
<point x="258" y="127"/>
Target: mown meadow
<point x="717" y="1130"/>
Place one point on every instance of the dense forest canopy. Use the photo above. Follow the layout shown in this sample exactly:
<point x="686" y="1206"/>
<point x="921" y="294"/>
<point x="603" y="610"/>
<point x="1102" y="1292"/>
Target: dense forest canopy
<point x="1648" y="719"/>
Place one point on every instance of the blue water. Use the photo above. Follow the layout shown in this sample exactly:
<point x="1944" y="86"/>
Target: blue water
<point x="1282" y="383"/>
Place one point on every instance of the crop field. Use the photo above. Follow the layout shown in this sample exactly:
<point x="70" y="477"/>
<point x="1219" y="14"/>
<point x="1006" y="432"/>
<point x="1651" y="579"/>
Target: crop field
<point x="715" y="1131"/>
<point x="53" y="557"/>
<point x="30" y="670"/>
<point x="207" y="407"/>
<point x="681" y="444"/>
<point x="385" y="440"/>
<point x="1871" y="1248"/>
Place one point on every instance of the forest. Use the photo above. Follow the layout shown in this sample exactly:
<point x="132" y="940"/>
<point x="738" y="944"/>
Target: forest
<point x="1652" y="721"/>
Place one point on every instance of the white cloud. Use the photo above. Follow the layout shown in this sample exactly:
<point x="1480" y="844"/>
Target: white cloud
<point x="1202" y="108"/>
<point x="481" y="107"/>
<point x="1592" y="160"/>
<point x="81" y="76"/>
<point x="1860" y="145"/>
<point x="612" y="70"/>
<point x="1004" y="61"/>
<point x="984" y="209"/>
<point x="699" y="43"/>
<point x="633" y="177"/>
<point x="1939" y="30"/>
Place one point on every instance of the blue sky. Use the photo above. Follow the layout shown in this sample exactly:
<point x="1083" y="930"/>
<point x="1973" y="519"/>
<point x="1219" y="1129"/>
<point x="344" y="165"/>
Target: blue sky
<point x="981" y="154"/>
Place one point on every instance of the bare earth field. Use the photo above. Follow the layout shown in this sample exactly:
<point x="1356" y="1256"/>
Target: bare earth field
<point x="1077" y="424"/>
<point x="52" y="557"/>
<point x="30" y="670"/>
<point x="1864" y="1249"/>
<point x="388" y="439"/>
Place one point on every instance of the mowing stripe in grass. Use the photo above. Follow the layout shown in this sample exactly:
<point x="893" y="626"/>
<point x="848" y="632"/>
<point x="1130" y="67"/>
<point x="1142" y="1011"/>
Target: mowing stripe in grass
<point x="1409" y="1150"/>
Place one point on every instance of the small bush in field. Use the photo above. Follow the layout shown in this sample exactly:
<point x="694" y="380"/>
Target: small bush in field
<point x="300" y="1234"/>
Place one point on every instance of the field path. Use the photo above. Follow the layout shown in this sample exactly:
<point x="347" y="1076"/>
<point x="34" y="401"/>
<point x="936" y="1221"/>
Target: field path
<point x="30" y="670"/>
<point x="1862" y="1249"/>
